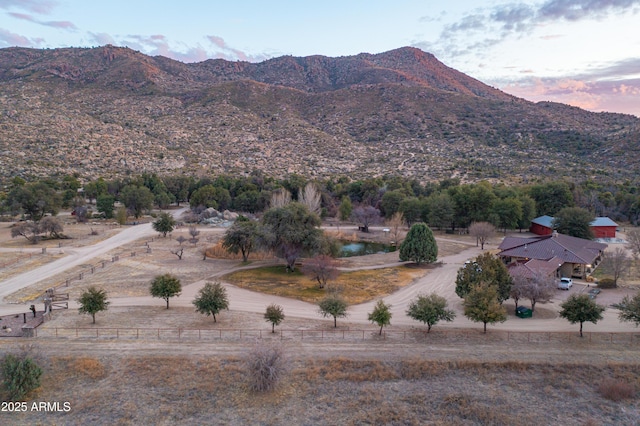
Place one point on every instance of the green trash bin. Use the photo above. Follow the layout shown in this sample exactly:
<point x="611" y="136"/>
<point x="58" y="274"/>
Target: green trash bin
<point x="523" y="312"/>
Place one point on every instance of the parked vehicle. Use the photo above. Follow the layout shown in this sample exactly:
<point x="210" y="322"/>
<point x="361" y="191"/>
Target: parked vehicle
<point x="593" y="293"/>
<point x="565" y="283"/>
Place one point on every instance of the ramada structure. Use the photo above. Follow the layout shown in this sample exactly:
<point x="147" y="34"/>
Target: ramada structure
<point x="601" y="227"/>
<point x="556" y="254"/>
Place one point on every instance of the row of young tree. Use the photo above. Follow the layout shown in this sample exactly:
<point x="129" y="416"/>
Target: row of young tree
<point x="446" y="204"/>
<point x="482" y="303"/>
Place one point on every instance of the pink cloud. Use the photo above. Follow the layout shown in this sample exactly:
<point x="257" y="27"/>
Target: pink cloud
<point x="159" y="45"/>
<point x="65" y="25"/>
<point x="218" y="41"/>
<point x="9" y="39"/>
<point x="102" y="38"/>
<point x="593" y="96"/>
<point x="231" y="54"/>
<point x="623" y="89"/>
<point x="38" y="6"/>
<point x="22" y="16"/>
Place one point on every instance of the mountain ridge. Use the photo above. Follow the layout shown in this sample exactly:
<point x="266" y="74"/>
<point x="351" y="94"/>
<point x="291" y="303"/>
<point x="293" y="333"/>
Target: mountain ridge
<point x="111" y="111"/>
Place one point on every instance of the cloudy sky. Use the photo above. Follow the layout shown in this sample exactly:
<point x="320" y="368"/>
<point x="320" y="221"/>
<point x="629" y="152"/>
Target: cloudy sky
<point x="580" y="52"/>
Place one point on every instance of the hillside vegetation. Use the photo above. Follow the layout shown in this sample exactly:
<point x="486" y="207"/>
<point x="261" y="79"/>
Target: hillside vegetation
<point x="110" y="111"/>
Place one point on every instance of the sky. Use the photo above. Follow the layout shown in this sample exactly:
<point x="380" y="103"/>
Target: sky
<point x="584" y="53"/>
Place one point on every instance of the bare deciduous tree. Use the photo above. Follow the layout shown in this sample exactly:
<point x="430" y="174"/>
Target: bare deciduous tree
<point x="633" y="242"/>
<point x="194" y="232"/>
<point x="181" y="239"/>
<point x="366" y="216"/>
<point x="395" y="225"/>
<point x="518" y="289"/>
<point x="482" y="231"/>
<point x="203" y="252"/>
<point x="541" y="289"/>
<point x="310" y="197"/>
<point x="265" y="364"/>
<point x="616" y="262"/>
<point x="321" y="268"/>
<point x="279" y="198"/>
<point x="29" y="230"/>
<point x="51" y="225"/>
<point x="538" y="289"/>
<point x="178" y="252"/>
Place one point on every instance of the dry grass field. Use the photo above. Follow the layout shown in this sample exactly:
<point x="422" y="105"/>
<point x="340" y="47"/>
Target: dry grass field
<point x="378" y="383"/>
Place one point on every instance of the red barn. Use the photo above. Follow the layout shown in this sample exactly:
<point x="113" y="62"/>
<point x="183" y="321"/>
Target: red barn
<point x="603" y="227"/>
<point x="541" y="225"/>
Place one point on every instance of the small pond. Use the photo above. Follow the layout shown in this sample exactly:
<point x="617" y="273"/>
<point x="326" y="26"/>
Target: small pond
<point x="361" y="248"/>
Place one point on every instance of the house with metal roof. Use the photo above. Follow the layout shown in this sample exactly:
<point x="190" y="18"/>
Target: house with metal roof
<point x="601" y="227"/>
<point x="571" y="256"/>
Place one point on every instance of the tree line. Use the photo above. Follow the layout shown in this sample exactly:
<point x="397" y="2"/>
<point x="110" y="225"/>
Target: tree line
<point x="447" y="204"/>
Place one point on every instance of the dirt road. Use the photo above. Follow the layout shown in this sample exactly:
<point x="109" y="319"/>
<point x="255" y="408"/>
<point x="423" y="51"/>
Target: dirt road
<point x="73" y="257"/>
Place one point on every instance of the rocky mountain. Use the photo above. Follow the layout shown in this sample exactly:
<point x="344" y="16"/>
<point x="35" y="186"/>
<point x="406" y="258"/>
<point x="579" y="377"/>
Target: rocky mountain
<point x="111" y="111"/>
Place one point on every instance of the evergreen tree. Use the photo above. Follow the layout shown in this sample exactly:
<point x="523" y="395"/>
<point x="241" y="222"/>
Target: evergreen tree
<point x="419" y="245"/>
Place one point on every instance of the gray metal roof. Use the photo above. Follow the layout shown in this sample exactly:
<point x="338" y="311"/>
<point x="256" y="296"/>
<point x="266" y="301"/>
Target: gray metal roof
<point x="546" y="247"/>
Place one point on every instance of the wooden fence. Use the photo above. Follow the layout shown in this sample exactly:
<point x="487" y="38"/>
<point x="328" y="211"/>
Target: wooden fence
<point x="435" y="336"/>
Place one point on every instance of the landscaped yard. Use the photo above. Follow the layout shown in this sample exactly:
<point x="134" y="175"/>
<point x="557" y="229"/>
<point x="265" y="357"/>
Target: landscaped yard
<point x="354" y="286"/>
